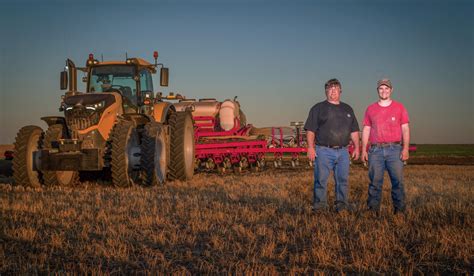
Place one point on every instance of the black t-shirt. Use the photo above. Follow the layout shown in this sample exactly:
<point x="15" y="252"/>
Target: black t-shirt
<point x="332" y="123"/>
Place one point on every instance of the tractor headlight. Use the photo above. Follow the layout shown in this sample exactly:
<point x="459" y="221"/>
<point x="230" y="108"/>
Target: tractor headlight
<point x="92" y="107"/>
<point x="95" y="106"/>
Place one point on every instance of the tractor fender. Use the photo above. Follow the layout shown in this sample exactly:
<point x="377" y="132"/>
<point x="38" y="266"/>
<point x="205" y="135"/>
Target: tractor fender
<point x="54" y="120"/>
<point x="161" y="111"/>
<point x="57" y="120"/>
<point x="137" y="118"/>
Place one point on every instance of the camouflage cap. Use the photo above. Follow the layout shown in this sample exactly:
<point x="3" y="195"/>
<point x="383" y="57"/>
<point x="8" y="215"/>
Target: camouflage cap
<point x="386" y="82"/>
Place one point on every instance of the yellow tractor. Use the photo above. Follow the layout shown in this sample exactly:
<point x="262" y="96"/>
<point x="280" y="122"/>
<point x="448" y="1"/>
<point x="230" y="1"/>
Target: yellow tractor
<point x="116" y="127"/>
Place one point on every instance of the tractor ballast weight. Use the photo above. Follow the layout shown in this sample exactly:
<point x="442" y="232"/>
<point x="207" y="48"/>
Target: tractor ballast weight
<point x="116" y="125"/>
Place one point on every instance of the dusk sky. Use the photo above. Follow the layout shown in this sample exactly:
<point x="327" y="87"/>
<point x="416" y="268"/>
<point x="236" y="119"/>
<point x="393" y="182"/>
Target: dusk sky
<point x="274" y="55"/>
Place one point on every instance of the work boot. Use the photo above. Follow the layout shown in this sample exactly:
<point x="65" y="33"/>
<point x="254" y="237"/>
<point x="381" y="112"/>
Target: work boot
<point x="319" y="210"/>
<point x="373" y="212"/>
<point x="344" y="208"/>
<point x="401" y="213"/>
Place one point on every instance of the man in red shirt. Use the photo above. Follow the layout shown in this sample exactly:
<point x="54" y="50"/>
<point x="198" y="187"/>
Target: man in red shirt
<point x="386" y="127"/>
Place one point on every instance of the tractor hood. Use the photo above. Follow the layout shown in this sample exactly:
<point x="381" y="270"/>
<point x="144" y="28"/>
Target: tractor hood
<point x="89" y="99"/>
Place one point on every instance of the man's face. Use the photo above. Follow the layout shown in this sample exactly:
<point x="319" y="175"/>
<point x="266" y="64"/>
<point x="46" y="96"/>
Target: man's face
<point x="384" y="92"/>
<point x="333" y="93"/>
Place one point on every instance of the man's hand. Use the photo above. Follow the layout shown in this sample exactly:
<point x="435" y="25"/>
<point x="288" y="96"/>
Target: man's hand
<point x="365" y="156"/>
<point x="404" y="155"/>
<point x="355" y="154"/>
<point x="311" y="154"/>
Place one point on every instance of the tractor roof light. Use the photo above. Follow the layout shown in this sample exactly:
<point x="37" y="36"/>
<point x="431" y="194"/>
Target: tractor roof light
<point x="131" y="61"/>
<point x="91" y="60"/>
<point x="155" y="56"/>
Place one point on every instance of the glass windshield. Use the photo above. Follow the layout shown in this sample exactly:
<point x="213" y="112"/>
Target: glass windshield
<point x="114" y="78"/>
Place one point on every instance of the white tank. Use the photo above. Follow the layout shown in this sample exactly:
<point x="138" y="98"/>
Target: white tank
<point x="229" y="110"/>
<point x="207" y="107"/>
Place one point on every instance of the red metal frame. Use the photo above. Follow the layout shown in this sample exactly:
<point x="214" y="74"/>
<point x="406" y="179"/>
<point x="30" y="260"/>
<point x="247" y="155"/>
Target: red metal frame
<point x="211" y="143"/>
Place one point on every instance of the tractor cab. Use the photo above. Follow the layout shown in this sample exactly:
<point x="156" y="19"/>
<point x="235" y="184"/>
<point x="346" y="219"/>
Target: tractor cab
<point x="131" y="78"/>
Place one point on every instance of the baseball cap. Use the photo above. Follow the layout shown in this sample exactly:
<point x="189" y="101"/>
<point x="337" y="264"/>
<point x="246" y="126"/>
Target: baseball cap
<point x="386" y="82"/>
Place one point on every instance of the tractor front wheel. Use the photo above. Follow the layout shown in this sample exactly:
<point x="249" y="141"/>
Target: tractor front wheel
<point x="28" y="140"/>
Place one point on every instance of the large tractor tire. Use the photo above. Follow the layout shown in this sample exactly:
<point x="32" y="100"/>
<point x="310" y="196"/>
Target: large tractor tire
<point x="125" y="154"/>
<point x="57" y="178"/>
<point x="181" y="165"/>
<point x="154" y="158"/>
<point x="28" y="140"/>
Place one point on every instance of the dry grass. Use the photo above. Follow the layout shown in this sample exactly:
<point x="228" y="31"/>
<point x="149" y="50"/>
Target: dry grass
<point x="254" y="223"/>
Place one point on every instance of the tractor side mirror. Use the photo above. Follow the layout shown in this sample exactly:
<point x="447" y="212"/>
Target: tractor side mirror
<point x="164" y="76"/>
<point x="63" y="80"/>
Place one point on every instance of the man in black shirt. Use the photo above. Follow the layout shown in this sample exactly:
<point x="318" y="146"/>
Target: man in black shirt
<point x="333" y="124"/>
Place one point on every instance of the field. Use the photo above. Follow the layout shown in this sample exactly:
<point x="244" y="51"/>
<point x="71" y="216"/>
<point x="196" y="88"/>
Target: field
<point x="239" y="224"/>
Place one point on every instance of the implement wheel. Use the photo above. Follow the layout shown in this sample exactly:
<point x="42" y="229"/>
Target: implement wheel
<point x="181" y="165"/>
<point x="57" y="178"/>
<point x="125" y="154"/>
<point x="154" y="159"/>
<point x="28" y="140"/>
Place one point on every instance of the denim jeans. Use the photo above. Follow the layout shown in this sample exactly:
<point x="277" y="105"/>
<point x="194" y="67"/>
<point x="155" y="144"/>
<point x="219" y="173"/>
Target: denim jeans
<point x="381" y="159"/>
<point x="327" y="160"/>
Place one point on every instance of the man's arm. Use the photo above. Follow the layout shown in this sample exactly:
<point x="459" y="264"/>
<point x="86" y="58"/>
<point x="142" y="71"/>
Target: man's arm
<point x="355" y="140"/>
<point x="406" y="142"/>
<point x="365" y="141"/>
<point x="311" y="150"/>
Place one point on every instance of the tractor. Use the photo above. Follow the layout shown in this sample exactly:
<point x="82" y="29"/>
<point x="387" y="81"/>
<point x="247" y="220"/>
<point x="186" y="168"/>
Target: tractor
<point x="118" y="127"/>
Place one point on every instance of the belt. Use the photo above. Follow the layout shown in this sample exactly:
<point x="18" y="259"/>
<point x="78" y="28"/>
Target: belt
<point x="382" y="145"/>
<point x="331" y="147"/>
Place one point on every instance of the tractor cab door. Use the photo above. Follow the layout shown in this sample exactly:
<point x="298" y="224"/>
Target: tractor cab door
<point x="146" y="84"/>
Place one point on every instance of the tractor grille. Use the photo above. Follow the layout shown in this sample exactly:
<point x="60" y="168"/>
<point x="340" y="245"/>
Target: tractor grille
<point x="79" y="118"/>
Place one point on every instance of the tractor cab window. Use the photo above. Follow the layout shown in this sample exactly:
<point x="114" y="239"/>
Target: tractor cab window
<point x="114" y="78"/>
<point x="146" y="83"/>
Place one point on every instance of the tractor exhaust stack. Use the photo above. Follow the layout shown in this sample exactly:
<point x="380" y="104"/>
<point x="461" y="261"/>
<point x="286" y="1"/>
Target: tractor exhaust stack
<point x="72" y="78"/>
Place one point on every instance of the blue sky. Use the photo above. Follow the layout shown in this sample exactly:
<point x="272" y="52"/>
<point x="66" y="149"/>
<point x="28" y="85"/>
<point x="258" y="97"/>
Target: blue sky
<point x="274" y="55"/>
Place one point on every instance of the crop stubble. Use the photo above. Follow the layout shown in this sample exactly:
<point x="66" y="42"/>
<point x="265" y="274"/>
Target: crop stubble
<point x="251" y="223"/>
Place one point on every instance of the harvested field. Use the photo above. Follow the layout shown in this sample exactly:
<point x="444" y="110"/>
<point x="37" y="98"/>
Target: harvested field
<point x="251" y="223"/>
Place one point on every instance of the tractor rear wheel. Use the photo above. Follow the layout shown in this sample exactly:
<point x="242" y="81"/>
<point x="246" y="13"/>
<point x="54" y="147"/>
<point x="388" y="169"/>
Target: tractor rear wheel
<point x="28" y="140"/>
<point x="181" y="146"/>
<point x="125" y="154"/>
<point x="57" y="178"/>
<point x="154" y="158"/>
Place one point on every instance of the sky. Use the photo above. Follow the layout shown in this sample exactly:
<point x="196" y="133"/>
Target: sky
<point x="274" y="55"/>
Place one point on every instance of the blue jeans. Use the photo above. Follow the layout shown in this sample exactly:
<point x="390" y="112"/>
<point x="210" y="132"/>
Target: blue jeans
<point x="381" y="159"/>
<point x="327" y="160"/>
